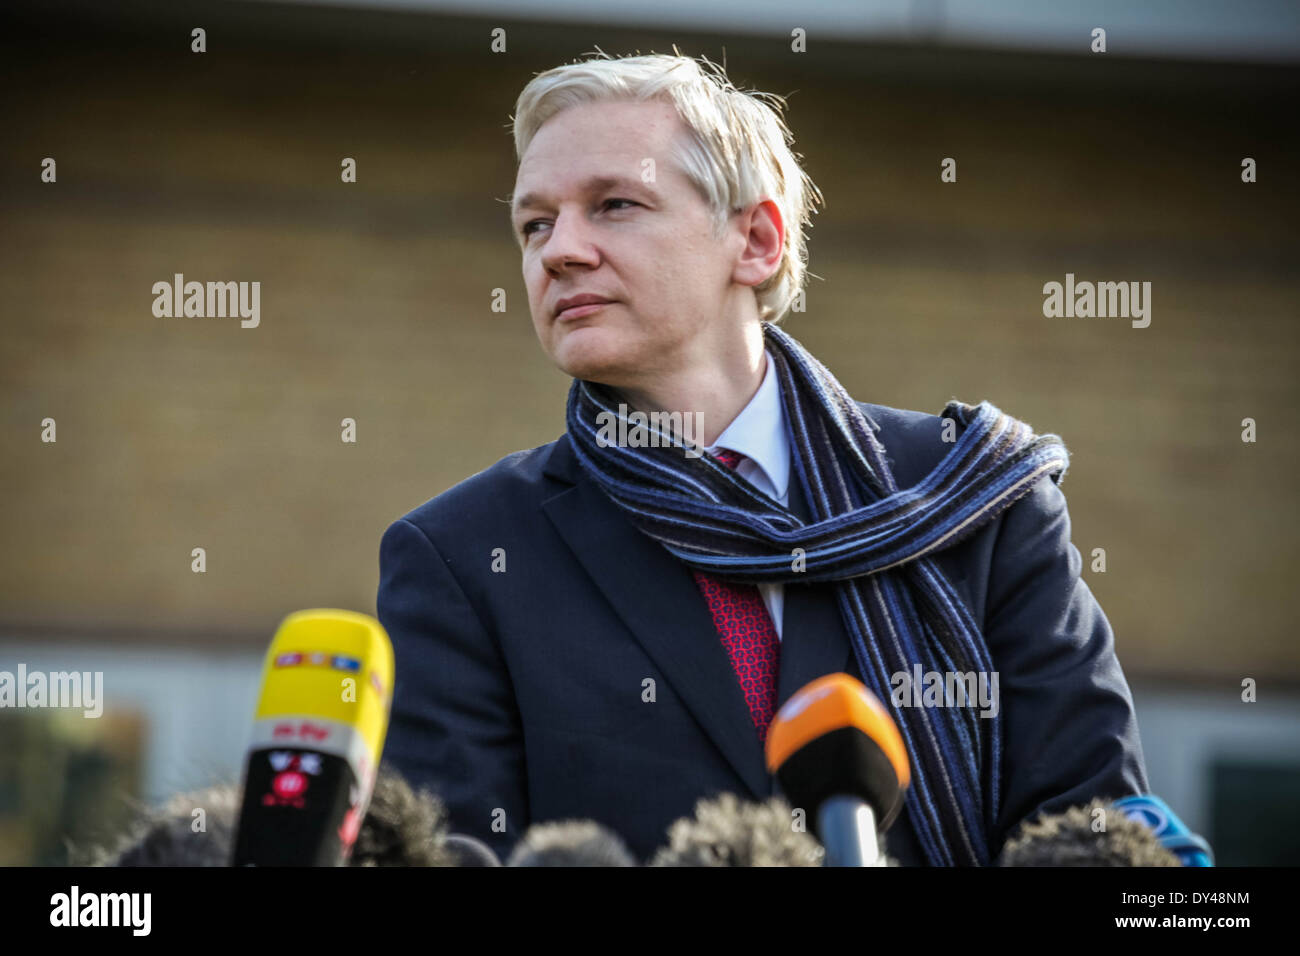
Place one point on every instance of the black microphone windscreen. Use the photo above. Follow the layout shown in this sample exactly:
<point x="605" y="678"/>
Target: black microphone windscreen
<point x="570" y="843"/>
<point x="1098" y="834"/>
<point x="470" y="851"/>
<point x="728" y="832"/>
<point x="189" y="829"/>
<point x="402" y="826"/>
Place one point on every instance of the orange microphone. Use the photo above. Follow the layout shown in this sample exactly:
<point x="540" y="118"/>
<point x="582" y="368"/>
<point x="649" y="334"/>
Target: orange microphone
<point x="837" y="753"/>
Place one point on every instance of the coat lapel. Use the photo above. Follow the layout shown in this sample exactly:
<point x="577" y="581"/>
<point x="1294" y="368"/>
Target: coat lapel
<point x="656" y="597"/>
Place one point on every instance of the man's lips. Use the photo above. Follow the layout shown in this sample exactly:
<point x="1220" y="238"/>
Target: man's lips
<point x="578" y="311"/>
<point x="572" y="306"/>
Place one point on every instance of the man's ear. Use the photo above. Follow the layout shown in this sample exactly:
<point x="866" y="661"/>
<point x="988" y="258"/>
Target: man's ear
<point x="764" y="233"/>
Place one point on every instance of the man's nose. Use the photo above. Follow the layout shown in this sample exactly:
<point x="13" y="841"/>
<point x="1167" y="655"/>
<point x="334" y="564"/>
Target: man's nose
<point x="570" y="243"/>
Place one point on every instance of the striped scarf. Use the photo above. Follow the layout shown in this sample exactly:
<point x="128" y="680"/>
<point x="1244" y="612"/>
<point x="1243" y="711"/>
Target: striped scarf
<point x="872" y="538"/>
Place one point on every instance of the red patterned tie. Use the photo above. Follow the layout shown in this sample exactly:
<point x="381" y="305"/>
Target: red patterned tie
<point x="747" y="632"/>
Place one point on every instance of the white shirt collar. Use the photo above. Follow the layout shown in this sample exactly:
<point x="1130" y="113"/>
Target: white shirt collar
<point x="758" y="433"/>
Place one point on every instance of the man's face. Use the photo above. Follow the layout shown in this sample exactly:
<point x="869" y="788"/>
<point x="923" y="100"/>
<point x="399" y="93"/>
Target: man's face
<point x="594" y="226"/>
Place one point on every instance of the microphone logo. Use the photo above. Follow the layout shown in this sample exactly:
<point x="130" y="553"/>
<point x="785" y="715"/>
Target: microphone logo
<point x="293" y="772"/>
<point x="289" y="787"/>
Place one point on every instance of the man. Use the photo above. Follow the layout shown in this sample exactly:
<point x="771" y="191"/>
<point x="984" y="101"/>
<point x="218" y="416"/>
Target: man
<point x="603" y="626"/>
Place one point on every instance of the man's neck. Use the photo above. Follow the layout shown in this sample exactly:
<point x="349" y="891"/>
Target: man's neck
<point x="719" y="391"/>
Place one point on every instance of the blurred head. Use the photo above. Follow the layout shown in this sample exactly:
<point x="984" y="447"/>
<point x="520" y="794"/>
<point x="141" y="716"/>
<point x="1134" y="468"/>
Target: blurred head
<point x="653" y="183"/>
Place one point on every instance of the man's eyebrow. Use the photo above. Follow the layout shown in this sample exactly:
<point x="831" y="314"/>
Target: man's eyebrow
<point x="591" y="185"/>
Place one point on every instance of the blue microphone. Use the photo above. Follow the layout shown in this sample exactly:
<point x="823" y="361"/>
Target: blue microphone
<point x="1173" y="834"/>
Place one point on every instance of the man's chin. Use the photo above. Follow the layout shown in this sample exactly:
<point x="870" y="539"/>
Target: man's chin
<point x="593" y="355"/>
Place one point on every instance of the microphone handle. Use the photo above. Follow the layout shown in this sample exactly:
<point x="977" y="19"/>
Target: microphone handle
<point x="847" y="827"/>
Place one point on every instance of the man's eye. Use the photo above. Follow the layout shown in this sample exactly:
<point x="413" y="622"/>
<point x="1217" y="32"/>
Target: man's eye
<point x="527" y="228"/>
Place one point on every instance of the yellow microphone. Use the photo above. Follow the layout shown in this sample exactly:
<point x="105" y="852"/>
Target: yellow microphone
<point x="322" y="715"/>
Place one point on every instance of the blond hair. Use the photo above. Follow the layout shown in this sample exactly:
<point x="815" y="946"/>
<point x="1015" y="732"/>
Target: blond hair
<point x="738" y="152"/>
